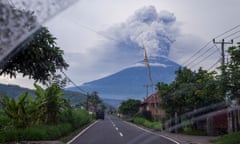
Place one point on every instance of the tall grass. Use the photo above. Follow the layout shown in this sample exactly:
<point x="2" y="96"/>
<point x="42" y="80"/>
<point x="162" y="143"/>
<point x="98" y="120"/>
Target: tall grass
<point x="76" y="119"/>
<point x="147" y="123"/>
<point x="233" y="138"/>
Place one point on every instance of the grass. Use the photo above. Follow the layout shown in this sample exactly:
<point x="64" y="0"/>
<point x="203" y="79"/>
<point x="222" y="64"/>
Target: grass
<point x="71" y="135"/>
<point x="190" y="131"/>
<point x="79" y="119"/>
<point x="147" y="123"/>
<point x="233" y="138"/>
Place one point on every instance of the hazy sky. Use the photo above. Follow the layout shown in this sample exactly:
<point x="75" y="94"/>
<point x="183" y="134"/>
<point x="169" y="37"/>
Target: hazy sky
<point x="98" y="36"/>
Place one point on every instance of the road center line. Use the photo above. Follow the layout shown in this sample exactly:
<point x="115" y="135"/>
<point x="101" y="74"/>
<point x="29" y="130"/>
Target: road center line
<point x="116" y="128"/>
<point x="121" y="134"/>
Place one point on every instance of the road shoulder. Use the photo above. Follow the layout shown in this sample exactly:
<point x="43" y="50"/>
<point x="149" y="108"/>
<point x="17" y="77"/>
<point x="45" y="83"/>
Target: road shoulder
<point x="179" y="138"/>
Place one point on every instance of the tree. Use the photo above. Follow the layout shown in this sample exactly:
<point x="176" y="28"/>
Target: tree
<point x="130" y="107"/>
<point x="95" y="101"/>
<point x="52" y="103"/>
<point x="189" y="91"/>
<point x="233" y="71"/>
<point x="38" y="57"/>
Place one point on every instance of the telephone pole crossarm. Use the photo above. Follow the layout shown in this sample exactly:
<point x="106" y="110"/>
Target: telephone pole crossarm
<point x="222" y="48"/>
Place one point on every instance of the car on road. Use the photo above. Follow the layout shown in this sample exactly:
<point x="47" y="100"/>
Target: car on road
<point x="100" y="115"/>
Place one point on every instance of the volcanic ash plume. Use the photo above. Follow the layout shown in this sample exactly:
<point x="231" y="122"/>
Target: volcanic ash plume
<point x="155" y="30"/>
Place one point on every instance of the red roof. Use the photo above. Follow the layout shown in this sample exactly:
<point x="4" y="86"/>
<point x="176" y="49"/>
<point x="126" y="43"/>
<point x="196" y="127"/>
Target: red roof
<point x="154" y="98"/>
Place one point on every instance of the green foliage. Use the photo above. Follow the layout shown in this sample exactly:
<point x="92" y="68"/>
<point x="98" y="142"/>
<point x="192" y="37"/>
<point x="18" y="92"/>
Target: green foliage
<point x="232" y="72"/>
<point x="130" y="107"/>
<point x="94" y="100"/>
<point x="39" y="58"/>
<point x="190" y="90"/>
<point x="232" y="138"/>
<point x="20" y="110"/>
<point x="147" y="123"/>
<point x="5" y="121"/>
<point x="39" y="132"/>
<point x="25" y="111"/>
<point x="79" y="118"/>
<point x="51" y="103"/>
<point x="190" y="131"/>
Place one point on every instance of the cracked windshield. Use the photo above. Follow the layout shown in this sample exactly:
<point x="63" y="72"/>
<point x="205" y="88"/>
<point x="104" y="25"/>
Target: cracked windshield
<point x="119" y="72"/>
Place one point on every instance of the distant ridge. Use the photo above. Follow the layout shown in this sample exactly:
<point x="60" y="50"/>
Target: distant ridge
<point x="13" y="91"/>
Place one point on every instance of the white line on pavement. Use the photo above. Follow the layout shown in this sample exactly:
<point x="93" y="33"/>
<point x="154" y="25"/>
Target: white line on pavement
<point x="83" y="131"/>
<point x="116" y="128"/>
<point x="121" y="134"/>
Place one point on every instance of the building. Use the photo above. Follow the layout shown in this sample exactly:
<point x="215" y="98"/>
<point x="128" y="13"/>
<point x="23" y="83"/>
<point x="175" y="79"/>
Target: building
<point x="150" y="107"/>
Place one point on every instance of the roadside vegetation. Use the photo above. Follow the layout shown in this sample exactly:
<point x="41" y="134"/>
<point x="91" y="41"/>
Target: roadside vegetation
<point x="232" y="138"/>
<point x="147" y="123"/>
<point x="192" y="90"/>
<point x="47" y="117"/>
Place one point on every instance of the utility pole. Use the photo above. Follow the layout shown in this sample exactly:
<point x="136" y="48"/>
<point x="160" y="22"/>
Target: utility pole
<point x="222" y="49"/>
<point x="230" y="112"/>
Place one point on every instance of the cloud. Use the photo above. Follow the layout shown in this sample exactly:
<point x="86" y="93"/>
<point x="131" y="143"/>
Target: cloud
<point x="123" y="43"/>
<point x="155" y="30"/>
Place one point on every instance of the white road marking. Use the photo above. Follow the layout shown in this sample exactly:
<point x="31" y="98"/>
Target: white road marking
<point x="121" y="134"/>
<point x="83" y="131"/>
<point x="116" y="128"/>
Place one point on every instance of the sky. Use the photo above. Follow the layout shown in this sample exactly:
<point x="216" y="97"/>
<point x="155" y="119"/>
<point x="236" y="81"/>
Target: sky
<point x="103" y="37"/>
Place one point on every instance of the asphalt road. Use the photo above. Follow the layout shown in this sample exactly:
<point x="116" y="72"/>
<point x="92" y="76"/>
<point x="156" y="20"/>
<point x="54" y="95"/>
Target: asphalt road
<point x="115" y="131"/>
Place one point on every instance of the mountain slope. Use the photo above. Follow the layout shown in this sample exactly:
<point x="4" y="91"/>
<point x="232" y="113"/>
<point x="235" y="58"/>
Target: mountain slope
<point x="13" y="91"/>
<point x="130" y="82"/>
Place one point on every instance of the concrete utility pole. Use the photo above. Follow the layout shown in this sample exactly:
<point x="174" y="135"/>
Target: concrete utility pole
<point x="222" y="48"/>
<point x="230" y="112"/>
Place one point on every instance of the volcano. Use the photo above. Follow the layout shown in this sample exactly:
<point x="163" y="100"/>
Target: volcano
<point x="131" y="82"/>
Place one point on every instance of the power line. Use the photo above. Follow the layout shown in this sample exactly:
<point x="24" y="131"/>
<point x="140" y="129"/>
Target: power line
<point x="231" y="34"/>
<point x="191" y="60"/>
<point x="236" y="37"/>
<point x="200" y="56"/>
<point x="231" y="29"/>
<point x="196" y="53"/>
<point x="73" y="82"/>
<point x="212" y="66"/>
<point x="206" y="57"/>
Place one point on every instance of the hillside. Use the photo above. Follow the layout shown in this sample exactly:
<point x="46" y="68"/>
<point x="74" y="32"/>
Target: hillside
<point x="13" y="91"/>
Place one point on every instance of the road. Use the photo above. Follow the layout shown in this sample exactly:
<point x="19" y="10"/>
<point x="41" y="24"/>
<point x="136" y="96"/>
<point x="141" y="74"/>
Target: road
<point x="115" y="131"/>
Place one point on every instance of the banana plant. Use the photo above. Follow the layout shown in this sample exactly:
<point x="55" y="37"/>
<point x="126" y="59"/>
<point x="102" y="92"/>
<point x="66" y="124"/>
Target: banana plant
<point x="51" y="102"/>
<point x="18" y="110"/>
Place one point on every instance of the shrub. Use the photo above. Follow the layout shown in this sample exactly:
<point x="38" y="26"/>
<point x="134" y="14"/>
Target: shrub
<point x="40" y="132"/>
<point x="232" y="138"/>
<point x="80" y="118"/>
<point x="147" y="123"/>
<point x="45" y="132"/>
<point x="190" y="131"/>
<point x="4" y="120"/>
